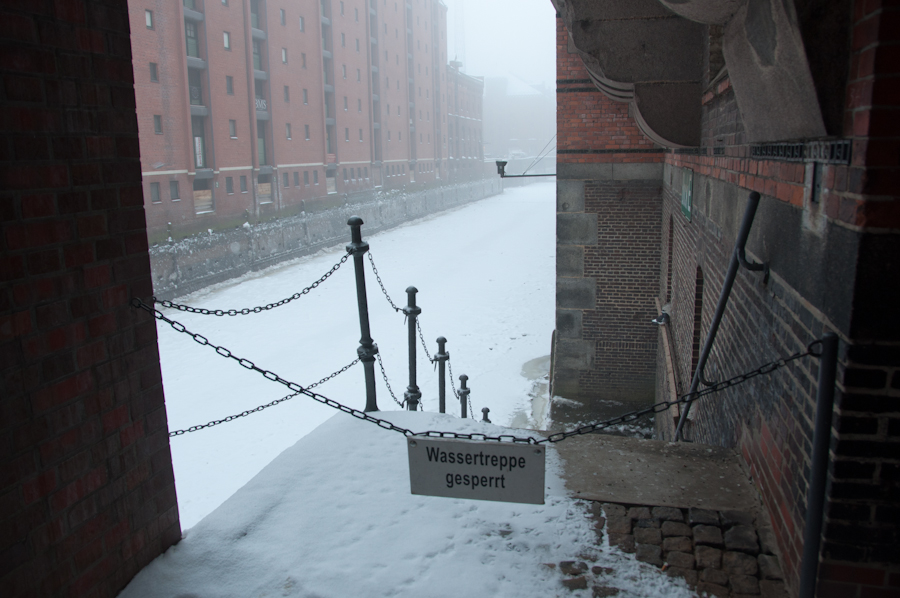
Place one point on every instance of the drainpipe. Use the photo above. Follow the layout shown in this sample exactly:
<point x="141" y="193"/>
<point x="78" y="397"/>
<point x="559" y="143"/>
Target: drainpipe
<point x="737" y="260"/>
<point x="818" y="475"/>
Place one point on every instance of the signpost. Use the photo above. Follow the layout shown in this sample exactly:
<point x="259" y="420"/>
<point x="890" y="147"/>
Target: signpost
<point x="502" y="471"/>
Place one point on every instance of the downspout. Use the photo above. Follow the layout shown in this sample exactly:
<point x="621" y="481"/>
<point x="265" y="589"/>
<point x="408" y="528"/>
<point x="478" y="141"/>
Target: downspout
<point x="738" y="259"/>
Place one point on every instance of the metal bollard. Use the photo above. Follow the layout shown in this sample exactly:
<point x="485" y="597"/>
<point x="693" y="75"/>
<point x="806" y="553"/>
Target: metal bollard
<point x="463" y="394"/>
<point x="367" y="348"/>
<point x="412" y="394"/>
<point x="441" y="358"/>
<point x="484" y="412"/>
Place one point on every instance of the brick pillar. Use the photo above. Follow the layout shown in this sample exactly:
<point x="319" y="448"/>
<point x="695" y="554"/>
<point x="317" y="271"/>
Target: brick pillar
<point x="87" y="492"/>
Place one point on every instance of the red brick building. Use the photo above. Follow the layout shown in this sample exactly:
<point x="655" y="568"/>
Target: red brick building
<point x="670" y="115"/>
<point x="259" y="109"/>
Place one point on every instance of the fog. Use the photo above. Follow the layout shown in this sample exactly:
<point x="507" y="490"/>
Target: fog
<point x="496" y="38"/>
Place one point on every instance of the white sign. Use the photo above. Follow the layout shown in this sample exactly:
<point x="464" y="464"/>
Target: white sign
<point x="502" y="471"/>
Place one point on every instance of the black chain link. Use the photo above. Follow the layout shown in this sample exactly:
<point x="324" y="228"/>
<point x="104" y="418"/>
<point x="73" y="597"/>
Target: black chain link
<point x="253" y="310"/>
<point x="381" y="284"/>
<point x="386" y="383"/>
<point x="765" y="369"/>
<point x="422" y="338"/>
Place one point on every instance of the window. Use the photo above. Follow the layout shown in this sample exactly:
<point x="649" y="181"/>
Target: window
<point x="344" y="70"/>
<point x="303" y="60"/>
<point x="302" y="27"/>
<point x="401" y="135"/>
<point x="356" y="14"/>
<point x="284" y="56"/>
<point x="345" y="103"/>
<point x="346" y="134"/>
<point x="306" y="131"/>
<point x="287" y="131"/>
<point x="296" y="179"/>
<point x="305" y="97"/>
<point x="229" y="185"/>
<point x="358" y="75"/>
<point x="360" y="134"/>
<point x="232" y="128"/>
<point x="283" y="17"/>
<point x="359" y="105"/>
<point x="398" y="110"/>
<point x="306" y="178"/>
<point x="229" y="85"/>
<point x="154" y="72"/>
<point x="389" y="135"/>
<point x="243" y="184"/>
<point x="224" y="2"/>
<point x="148" y="17"/>
<point x="287" y="93"/>
<point x="342" y="8"/>
<point x="345" y="174"/>
<point x="226" y="38"/>
<point x="285" y="180"/>
<point x="343" y="41"/>
<point x="367" y="172"/>
<point x="315" y="177"/>
<point x="190" y="38"/>
<point x="357" y="44"/>
<point x="154" y="193"/>
<point x="157" y="124"/>
<point x="173" y="191"/>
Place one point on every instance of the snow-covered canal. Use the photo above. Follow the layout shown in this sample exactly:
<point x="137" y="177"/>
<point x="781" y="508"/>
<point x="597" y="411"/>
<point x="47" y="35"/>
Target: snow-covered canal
<point x="485" y="275"/>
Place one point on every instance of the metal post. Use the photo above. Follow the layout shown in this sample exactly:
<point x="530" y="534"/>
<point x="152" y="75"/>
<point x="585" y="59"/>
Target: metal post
<point x="367" y="348"/>
<point x="463" y="394"/>
<point x="441" y="358"/>
<point x="484" y="415"/>
<point x="737" y="257"/>
<point x="412" y="394"/>
<point x="818" y="475"/>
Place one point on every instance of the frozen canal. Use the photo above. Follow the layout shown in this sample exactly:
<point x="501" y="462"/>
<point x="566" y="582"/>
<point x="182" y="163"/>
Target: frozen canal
<point x="485" y="275"/>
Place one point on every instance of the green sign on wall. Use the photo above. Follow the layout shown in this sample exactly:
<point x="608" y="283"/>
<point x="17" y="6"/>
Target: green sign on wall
<point x="687" y="192"/>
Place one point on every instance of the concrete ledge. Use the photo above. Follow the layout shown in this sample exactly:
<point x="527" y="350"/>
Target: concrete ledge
<point x="651" y="171"/>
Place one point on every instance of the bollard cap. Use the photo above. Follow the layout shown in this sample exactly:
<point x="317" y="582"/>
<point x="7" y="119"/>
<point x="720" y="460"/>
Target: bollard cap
<point x="355" y="221"/>
<point x="412" y="289"/>
<point x="441" y="339"/>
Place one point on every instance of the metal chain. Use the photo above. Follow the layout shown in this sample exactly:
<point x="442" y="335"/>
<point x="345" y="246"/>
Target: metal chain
<point x="386" y="383"/>
<point x="626" y="418"/>
<point x="381" y="284"/>
<point x="216" y="422"/>
<point x="254" y="310"/>
<point x="246" y="363"/>
<point x="422" y="338"/>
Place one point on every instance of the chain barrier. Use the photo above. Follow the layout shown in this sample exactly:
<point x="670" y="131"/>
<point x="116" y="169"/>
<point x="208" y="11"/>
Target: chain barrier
<point x="216" y="422"/>
<point x="254" y="310"/>
<point x="765" y="369"/>
<point x="381" y="284"/>
<point x="424" y="345"/>
<point x="386" y="383"/>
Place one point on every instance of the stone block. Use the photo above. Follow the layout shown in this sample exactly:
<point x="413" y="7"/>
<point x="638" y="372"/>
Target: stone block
<point x="767" y="542"/>
<point x="568" y="323"/>
<point x="684" y="560"/>
<point x="769" y="567"/>
<point x="742" y="538"/>
<point x="649" y="171"/>
<point x="570" y="260"/>
<point x="639" y="513"/>
<point x="574" y="354"/>
<point x="716" y="576"/>
<point x="573" y="567"/>
<point x="713" y="589"/>
<point x="708" y="557"/>
<point x="613" y="510"/>
<point x="738" y="563"/>
<point x="575" y="583"/>
<point x="604" y="591"/>
<point x="594" y="172"/>
<point x="576" y="293"/>
<point x="647" y="535"/>
<point x="625" y="542"/>
<point x="598" y="570"/>
<point x="732" y="518"/>
<point x="703" y="517"/>
<point x="689" y="575"/>
<point x="744" y="584"/>
<point x="668" y="514"/>
<point x="673" y="528"/>
<point x="569" y="196"/>
<point x="576" y="229"/>
<point x="678" y="543"/>
<point x="772" y="589"/>
<point x="648" y="553"/>
<point x="654" y="523"/>
<point x="618" y="525"/>
<point x="708" y="535"/>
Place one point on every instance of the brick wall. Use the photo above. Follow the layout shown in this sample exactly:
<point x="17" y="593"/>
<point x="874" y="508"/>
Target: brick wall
<point x="87" y="490"/>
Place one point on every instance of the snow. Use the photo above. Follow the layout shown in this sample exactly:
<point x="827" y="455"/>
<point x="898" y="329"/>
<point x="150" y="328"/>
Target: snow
<point x="301" y="500"/>
<point x="332" y="516"/>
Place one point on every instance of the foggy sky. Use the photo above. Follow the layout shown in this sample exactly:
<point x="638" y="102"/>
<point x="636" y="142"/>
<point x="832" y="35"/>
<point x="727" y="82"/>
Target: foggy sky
<point x="506" y="37"/>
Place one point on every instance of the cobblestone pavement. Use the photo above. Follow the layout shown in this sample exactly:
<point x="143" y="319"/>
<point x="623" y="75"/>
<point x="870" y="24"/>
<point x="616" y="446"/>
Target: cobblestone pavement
<point x="727" y="554"/>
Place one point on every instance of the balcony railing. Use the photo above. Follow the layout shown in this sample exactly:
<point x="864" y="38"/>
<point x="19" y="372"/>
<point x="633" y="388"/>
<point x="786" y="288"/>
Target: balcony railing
<point x="196" y="96"/>
<point x="261" y="104"/>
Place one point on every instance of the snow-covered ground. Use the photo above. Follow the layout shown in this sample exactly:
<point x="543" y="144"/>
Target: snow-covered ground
<point x="486" y="279"/>
<point x="332" y="517"/>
